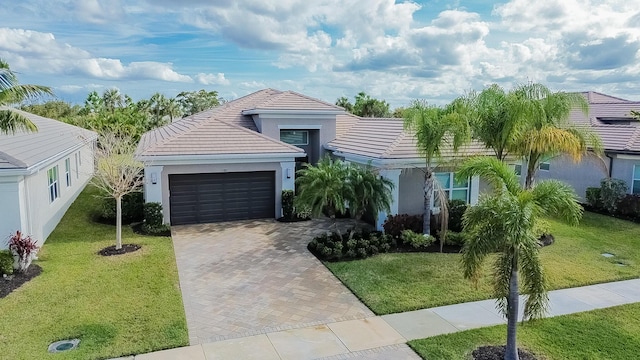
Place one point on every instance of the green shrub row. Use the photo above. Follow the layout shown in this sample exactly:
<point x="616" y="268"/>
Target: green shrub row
<point x="612" y="198"/>
<point x="351" y="245"/>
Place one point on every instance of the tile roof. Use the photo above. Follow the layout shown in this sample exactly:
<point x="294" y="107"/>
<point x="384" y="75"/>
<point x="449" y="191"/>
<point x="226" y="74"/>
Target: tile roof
<point x="386" y="138"/>
<point x="25" y="149"/>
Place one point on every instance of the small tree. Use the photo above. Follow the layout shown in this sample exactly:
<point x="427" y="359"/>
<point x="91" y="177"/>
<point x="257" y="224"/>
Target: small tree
<point x="117" y="172"/>
<point x="368" y="192"/>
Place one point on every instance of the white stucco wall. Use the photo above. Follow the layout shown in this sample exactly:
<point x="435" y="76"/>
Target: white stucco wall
<point x="580" y="176"/>
<point x="26" y="198"/>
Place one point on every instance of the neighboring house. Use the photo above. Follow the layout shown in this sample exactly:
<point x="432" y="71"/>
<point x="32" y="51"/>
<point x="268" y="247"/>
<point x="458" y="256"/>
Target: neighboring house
<point x="233" y="161"/>
<point x="609" y="117"/>
<point x="41" y="174"/>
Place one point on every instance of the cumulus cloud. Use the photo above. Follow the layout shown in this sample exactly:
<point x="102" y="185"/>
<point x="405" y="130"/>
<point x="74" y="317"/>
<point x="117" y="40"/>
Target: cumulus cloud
<point x="212" y="79"/>
<point x="41" y="51"/>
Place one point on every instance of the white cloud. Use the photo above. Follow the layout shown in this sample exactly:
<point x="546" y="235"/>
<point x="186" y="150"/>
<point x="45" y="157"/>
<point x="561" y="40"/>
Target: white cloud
<point x="212" y="79"/>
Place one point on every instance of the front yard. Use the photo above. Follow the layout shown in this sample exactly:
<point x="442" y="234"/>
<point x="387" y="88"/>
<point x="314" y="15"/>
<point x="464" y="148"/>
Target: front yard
<point x="612" y="333"/>
<point x="117" y="305"/>
<point x="390" y="283"/>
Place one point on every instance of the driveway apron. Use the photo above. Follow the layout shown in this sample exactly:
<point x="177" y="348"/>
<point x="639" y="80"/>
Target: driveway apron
<point x="251" y="277"/>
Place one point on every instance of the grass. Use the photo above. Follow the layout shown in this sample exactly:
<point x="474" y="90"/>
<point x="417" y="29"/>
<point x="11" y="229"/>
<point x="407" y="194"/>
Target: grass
<point x="116" y="305"/>
<point x="612" y="333"/>
<point x="390" y="283"/>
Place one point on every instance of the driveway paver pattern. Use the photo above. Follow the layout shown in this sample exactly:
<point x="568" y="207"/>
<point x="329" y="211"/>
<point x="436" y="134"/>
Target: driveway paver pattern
<point x="252" y="277"/>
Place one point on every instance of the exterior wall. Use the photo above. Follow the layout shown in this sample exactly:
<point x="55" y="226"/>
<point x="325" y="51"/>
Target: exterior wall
<point x="325" y="127"/>
<point x="38" y="216"/>
<point x="623" y="169"/>
<point x="582" y="175"/>
<point x="163" y="181"/>
<point x="411" y="194"/>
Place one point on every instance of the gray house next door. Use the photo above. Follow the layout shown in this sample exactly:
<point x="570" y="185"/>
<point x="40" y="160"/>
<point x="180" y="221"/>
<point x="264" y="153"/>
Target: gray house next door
<point x="216" y="197"/>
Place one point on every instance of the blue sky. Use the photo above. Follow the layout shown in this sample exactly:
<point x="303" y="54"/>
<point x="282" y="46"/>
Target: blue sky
<point x="398" y="51"/>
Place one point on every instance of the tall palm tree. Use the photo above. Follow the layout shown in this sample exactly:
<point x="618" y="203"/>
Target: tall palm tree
<point x="112" y="99"/>
<point x="547" y="132"/>
<point x="323" y="188"/>
<point x="369" y="192"/>
<point x="435" y="128"/>
<point x="503" y="223"/>
<point x="12" y="92"/>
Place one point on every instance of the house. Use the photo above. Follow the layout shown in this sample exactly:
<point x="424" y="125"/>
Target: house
<point x="610" y="118"/>
<point x="233" y="161"/>
<point x="41" y="174"/>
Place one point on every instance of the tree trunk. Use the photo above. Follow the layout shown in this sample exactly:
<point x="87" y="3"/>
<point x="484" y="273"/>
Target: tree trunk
<point x="428" y="193"/>
<point x="511" y="352"/>
<point x="531" y="172"/>
<point x="118" y="222"/>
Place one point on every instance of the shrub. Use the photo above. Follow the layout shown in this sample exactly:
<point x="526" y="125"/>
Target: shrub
<point x="541" y="228"/>
<point x="394" y="225"/>
<point x="287" y="204"/>
<point x="416" y="240"/>
<point x="132" y="208"/>
<point x="153" y="214"/>
<point x="352" y="245"/>
<point x="454" y="238"/>
<point x="6" y="262"/>
<point x="24" y="248"/>
<point x="592" y="196"/>
<point x="629" y="206"/>
<point x="303" y="211"/>
<point x="456" y="210"/>
<point x="611" y="191"/>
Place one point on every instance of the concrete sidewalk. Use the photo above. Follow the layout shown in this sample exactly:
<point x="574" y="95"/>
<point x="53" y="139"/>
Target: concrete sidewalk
<point x="384" y="337"/>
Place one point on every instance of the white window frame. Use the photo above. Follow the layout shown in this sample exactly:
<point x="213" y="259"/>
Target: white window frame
<point x="294" y="130"/>
<point x="54" y="183"/>
<point x="67" y="171"/>
<point x="634" y="179"/>
<point x="450" y="189"/>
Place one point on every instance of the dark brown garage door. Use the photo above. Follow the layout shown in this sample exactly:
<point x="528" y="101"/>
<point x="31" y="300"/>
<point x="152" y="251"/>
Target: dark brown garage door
<point x="207" y="198"/>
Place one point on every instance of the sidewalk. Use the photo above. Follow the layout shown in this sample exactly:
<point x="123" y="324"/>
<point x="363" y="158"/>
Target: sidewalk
<point x="384" y="337"/>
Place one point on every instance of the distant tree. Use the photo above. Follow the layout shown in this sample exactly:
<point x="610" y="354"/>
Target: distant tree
<point x="399" y="112"/>
<point x="345" y="103"/>
<point x="54" y="109"/>
<point x="192" y="102"/>
<point x="365" y="106"/>
<point x="435" y="128"/>
<point x="117" y="172"/>
<point x="93" y="103"/>
<point x="112" y="100"/>
<point x="12" y="92"/>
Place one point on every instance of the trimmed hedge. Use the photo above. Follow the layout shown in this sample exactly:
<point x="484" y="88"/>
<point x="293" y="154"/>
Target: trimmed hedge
<point x="132" y="208"/>
<point x="352" y="245"/>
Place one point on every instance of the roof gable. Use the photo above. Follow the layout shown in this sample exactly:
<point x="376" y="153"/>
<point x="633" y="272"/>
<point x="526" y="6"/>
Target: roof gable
<point x="290" y="100"/>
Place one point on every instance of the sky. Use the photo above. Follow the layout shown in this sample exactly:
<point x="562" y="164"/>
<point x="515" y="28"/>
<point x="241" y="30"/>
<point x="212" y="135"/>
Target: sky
<point x="394" y="50"/>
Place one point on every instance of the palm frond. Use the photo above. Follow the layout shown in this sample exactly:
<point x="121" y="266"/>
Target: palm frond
<point x="554" y="197"/>
<point x="12" y="121"/>
<point x="497" y="173"/>
<point x="534" y="282"/>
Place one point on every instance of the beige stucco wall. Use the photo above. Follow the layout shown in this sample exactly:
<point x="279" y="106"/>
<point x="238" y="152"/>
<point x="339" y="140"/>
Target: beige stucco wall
<point x="219" y="168"/>
<point x="326" y="125"/>
<point x="411" y="192"/>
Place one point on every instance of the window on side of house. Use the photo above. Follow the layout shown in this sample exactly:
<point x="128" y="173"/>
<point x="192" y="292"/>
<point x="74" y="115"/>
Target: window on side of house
<point x="67" y="171"/>
<point x="545" y="165"/>
<point x="54" y="188"/>
<point x="517" y="168"/>
<point x="454" y="189"/>
<point x="294" y="137"/>
<point x="635" y="183"/>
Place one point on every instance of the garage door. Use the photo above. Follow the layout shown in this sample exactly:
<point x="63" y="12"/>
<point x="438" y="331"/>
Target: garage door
<point x="207" y="198"/>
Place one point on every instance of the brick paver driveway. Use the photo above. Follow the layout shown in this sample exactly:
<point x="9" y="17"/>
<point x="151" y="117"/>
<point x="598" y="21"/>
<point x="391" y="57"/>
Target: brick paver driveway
<point x="250" y="277"/>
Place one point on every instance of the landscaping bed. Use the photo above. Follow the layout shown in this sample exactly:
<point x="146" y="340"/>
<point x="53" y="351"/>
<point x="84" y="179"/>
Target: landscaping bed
<point x="397" y="282"/>
<point x="612" y="333"/>
<point x="116" y="305"/>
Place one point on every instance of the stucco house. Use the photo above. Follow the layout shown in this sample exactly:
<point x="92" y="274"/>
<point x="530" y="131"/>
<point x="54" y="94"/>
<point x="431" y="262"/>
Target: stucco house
<point x="41" y="174"/>
<point x="232" y="162"/>
<point x="610" y="118"/>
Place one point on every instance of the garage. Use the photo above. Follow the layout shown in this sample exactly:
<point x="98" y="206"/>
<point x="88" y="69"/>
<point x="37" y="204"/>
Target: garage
<point x="216" y="197"/>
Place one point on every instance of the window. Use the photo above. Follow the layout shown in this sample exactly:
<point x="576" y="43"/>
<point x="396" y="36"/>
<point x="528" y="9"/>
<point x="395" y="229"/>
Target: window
<point x="636" y="180"/>
<point x="454" y="189"/>
<point x="67" y="171"/>
<point x="54" y="190"/>
<point x="517" y="168"/>
<point x="545" y="165"/>
<point x="295" y="137"/>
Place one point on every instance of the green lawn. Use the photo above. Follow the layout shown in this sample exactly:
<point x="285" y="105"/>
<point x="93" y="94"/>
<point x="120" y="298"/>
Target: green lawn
<point x="390" y="283"/>
<point x="612" y="333"/>
<point x="117" y="305"/>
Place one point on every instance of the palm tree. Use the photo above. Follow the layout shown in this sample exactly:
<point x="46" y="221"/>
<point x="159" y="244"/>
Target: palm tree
<point x="369" y="192"/>
<point x="112" y="99"/>
<point x="345" y="103"/>
<point x="323" y="188"/>
<point x="503" y="223"/>
<point x="546" y="130"/>
<point x="435" y="128"/>
<point x="12" y="92"/>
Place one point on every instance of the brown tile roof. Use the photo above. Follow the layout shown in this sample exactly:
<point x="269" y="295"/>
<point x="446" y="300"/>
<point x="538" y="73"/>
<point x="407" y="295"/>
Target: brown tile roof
<point x="25" y="149"/>
<point x="385" y="138"/>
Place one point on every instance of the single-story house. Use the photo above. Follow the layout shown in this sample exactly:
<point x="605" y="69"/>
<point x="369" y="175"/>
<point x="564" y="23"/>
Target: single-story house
<point x="41" y="174"/>
<point x="610" y="118"/>
<point x="233" y="161"/>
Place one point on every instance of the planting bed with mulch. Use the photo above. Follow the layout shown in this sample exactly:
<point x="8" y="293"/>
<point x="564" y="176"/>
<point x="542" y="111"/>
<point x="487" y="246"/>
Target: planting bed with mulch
<point x="497" y="353"/>
<point x="12" y="282"/>
<point x="111" y="250"/>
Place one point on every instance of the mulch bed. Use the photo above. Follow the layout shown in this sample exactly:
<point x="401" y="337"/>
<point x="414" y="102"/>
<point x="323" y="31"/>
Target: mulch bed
<point x="111" y="250"/>
<point x="12" y="282"/>
<point x="137" y="228"/>
<point x="497" y="353"/>
<point x="290" y="220"/>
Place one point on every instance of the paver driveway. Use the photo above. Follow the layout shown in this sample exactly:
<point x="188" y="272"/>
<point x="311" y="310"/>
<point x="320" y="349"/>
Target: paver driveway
<point x="251" y="277"/>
